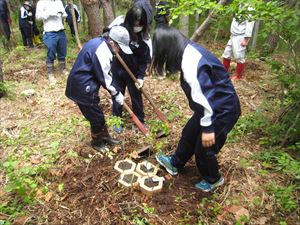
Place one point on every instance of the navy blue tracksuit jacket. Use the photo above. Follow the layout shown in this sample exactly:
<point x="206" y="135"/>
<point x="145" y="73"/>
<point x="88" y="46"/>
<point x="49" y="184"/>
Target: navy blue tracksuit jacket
<point x="207" y="86"/>
<point x="90" y="71"/>
<point x="216" y="107"/>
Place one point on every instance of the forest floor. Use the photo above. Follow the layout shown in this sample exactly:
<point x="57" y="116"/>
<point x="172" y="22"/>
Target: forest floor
<point x="67" y="182"/>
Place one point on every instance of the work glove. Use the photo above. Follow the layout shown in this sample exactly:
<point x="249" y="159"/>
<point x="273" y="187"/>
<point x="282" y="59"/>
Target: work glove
<point x="30" y="22"/>
<point x="30" y="14"/>
<point x="139" y="84"/>
<point x="119" y="97"/>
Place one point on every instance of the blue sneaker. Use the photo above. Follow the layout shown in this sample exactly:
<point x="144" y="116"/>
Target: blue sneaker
<point x="165" y="161"/>
<point x="118" y="129"/>
<point x="207" y="187"/>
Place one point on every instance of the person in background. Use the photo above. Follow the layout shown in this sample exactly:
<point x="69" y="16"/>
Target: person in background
<point x="26" y="24"/>
<point x="136" y="24"/>
<point x="91" y="71"/>
<point x="241" y="33"/>
<point x="36" y="32"/>
<point x="162" y="14"/>
<point x="52" y="12"/>
<point x="211" y="97"/>
<point x="69" y="18"/>
<point x="148" y="9"/>
<point x="5" y="19"/>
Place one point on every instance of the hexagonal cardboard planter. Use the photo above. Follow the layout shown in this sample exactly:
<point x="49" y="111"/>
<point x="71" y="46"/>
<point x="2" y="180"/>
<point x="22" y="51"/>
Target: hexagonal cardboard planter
<point x="146" y="168"/>
<point x="130" y="179"/>
<point x="151" y="184"/>
<point x="125" y="166"/>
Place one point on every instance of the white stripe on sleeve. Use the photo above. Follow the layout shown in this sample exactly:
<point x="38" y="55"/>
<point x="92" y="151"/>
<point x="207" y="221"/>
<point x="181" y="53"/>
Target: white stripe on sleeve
<point x="104" y="56"/>
<point x="189" y="65"/>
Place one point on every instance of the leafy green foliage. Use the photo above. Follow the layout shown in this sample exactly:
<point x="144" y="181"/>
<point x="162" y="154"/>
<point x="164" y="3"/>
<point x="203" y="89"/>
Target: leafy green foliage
<point x="281" y="161"/>
<point x="24" y="176"/>
<point x="284" y="197"/>
<point x="114" y="121"/>
<point x="173" y="112"/>
<point x="248" y="124"/>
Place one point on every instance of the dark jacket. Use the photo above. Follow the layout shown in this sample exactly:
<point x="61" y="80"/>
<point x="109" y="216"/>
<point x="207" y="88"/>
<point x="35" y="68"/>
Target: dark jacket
<point x="208" y="87"/>
<point x="91" y="71"/>
<point x="25" y="21"/>
<point x="69" y="19"/>
<point x="137" y="62"/>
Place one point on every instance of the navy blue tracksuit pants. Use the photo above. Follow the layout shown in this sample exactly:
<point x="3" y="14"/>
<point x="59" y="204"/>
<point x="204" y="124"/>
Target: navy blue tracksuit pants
<point x="190" y="143"/>
<point x="94" y="115"/>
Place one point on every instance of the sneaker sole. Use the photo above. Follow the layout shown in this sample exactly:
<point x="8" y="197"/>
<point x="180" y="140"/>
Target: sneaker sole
<point x="167" y="169"/>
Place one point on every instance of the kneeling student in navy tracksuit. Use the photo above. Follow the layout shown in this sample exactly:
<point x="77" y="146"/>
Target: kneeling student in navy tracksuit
<point x="90" y="71"/>
<point x="211" y="96"/>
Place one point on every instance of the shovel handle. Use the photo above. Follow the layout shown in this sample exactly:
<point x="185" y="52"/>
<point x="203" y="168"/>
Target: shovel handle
<point x="136" y="120"/>
<point x="157" y="111"/>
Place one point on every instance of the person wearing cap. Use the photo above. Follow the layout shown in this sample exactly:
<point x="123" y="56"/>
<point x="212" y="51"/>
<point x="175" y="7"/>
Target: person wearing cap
<point x="140" y="43"/>
<point x="90" y="71"/>
<point x="52" y="13"/>
<point x="26" y="24"/>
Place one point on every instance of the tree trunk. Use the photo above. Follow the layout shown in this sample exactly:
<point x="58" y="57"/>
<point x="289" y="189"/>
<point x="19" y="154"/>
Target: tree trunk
<point x="184" y="25"/>
<point x="108" y="11"/>
<point x="205" y="25"/>
<point x="255" y="34"/>
<point x="91" y="7"/>
<point x="2" y="90"/>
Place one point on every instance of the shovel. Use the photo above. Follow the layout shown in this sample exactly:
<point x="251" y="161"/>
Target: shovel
<point x="142" y="128"/>
<point x="157" y="111"/>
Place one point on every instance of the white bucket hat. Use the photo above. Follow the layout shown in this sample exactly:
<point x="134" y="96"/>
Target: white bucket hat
<point x="120" y="35"/>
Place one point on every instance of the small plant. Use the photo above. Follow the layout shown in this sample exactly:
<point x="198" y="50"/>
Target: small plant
<point x="284" y="197"/>
<point x="21" y="180"/>
<point x="247" y="125"/>
<point x="242" y="220"/>
<point x="148" y="210"/>
<point x="114" y="121"/>
<point x="6" y="89"/>
<point x="170" y="107"/>
<point x="139" y="220"/>
<point x="281" y="161"/>
<point x="157" y="126"/>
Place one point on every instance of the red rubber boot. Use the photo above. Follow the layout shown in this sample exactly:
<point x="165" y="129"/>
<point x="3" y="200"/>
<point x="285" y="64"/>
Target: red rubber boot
<point x="226" y="63"/>
<point x="239" y="71"/>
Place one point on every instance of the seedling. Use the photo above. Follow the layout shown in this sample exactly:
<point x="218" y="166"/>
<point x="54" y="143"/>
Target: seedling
<point x="146" y="168"/>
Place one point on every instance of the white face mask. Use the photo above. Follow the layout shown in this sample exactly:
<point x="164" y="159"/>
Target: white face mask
<point x="137" y="29"/>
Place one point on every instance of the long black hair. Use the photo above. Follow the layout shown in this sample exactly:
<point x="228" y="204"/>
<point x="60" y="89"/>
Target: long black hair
<point x="134" y="14"/>
<point x="168" y="46"/>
